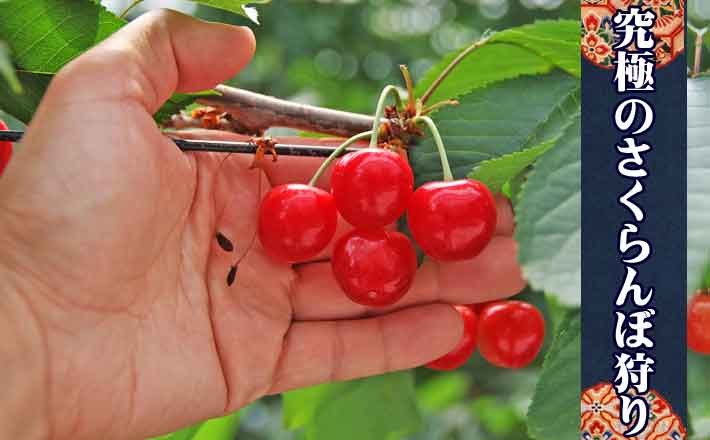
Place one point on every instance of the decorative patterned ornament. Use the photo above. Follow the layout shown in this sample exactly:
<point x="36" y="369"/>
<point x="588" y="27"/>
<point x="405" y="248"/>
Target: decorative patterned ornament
<point x="601" y="419"/>
<point x="598" y="35"/>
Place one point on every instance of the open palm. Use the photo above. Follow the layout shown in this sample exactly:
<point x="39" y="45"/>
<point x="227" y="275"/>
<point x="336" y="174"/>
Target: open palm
<point x="109" y="231"/>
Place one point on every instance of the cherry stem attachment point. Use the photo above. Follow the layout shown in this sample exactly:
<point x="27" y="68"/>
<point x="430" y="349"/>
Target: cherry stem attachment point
<point x="380" y="111"/>
<point x="448" y="175"/>
<point x="335" y="154"/>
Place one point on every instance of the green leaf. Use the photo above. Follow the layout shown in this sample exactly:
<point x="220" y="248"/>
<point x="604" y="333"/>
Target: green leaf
<point x="556" y="41"/>
<point x="549" y="223"/>
<point x="23" y="106"/>
<point x="44" y="35"/>
<point x="503" y="118"/>
<point x="496" y="172"/>
<point x="183" y="434"/>
<point x="528" y="50"/>
<point x="554" y="411"/>
<point x="7" y="70"/>
<point x="221" y="428"/>
<point x="698" y="179"/>
<point x="237" y="6"/>
<point x="378" y="407"/>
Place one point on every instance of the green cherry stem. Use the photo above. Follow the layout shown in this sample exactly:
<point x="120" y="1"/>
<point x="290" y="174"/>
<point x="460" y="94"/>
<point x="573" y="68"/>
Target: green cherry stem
<point x="380" y="111"/>
<point x="448" y="175"/>
<point x="334" y="155"/>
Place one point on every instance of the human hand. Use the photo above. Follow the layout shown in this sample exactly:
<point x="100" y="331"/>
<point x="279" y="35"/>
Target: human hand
<point x="116" y="318"/>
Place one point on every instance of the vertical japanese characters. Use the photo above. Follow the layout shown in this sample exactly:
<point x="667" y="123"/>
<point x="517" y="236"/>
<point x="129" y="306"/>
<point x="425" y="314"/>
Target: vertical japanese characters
<point x="634" y="306"/>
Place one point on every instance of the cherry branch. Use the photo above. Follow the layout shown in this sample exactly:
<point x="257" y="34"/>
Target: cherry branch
<point x="253" y="113"/>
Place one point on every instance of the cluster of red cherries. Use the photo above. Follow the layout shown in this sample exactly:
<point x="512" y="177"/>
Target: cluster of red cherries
<point x="509" y="334"/>
<point x="371" y="189"/>
<point x="375" y="266"/>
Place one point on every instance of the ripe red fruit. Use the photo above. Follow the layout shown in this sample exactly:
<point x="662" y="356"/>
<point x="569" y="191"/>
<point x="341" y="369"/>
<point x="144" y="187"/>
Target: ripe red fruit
<point x="510" y="333"/>
<point x="460" y="354"/>
<point x="452" y="220"/>
<point x="296" y="221"/>
<point x="372" y="187"/>
<point x="699" y="323"/>
<point x="374" y="267"/>
<point x="5" y="150"/>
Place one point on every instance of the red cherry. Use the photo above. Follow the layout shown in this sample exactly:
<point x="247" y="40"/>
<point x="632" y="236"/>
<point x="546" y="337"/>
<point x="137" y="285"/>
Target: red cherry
<point x="699" y="323"/>
<point x="452" y="220"/>
<point x="478" y="307"/>
<point x="459" y="355"/>
<point x="372" y="187"/>
<point x="5" y="150"/>
<point x="374" y="267"/>
<point x="510" y="333"/>
<point x="296" y="221"/>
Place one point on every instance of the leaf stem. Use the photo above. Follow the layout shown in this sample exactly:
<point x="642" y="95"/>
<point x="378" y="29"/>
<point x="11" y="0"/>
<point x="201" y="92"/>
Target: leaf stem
<point x="448" y="175"/>
<point x="445" y="73"/>
<point x="129" y="8"/>
<point x="334" y="155"/>
<point x="379" y="112"/>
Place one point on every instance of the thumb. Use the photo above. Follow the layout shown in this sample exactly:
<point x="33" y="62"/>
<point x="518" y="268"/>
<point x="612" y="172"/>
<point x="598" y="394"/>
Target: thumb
<point x="157" y="54"/>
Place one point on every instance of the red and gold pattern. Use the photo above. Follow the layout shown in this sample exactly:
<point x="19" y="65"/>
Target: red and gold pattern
<point x="598" y="36"/>
<point x="601" y="418"/>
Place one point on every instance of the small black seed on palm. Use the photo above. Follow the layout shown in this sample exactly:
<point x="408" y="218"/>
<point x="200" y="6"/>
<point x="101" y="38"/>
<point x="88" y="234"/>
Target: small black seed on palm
<point x="232" y="275"/>
<point x="224" y="242"/>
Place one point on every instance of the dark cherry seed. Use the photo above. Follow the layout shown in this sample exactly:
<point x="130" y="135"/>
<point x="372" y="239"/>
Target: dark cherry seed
<point x="231" y="275"/>
<point x="224" y="242"/>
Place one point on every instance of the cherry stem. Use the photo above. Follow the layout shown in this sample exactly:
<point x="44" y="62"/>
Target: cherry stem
<point x="380" y="111"/>
<point x="334" y="155"/>
<point x="448" y="175"/>
<point x="455" y="62"/>
<point x="411" y="101"/>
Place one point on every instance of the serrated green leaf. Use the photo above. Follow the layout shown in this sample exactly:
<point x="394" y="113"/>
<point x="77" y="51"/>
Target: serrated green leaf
<point x="554" y="411"/>
<point x="378" y="407"/>
<point x="44" y="35"/>
<point x="496" y="172"/>
<point x="555" y="40"/>
<point x="698" y="178"/>
<point x="549" y="220"/>
<point x="237" y="6"/>
<point x="501" y="119"/>
<point x="528" y="50"/>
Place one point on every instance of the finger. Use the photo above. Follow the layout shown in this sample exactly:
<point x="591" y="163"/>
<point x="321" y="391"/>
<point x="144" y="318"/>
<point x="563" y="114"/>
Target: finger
<point x="155" y="55"/>
<point x="494" y="274"/>
<point x="327" y="351"/>
<point x="505" y="219"/>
